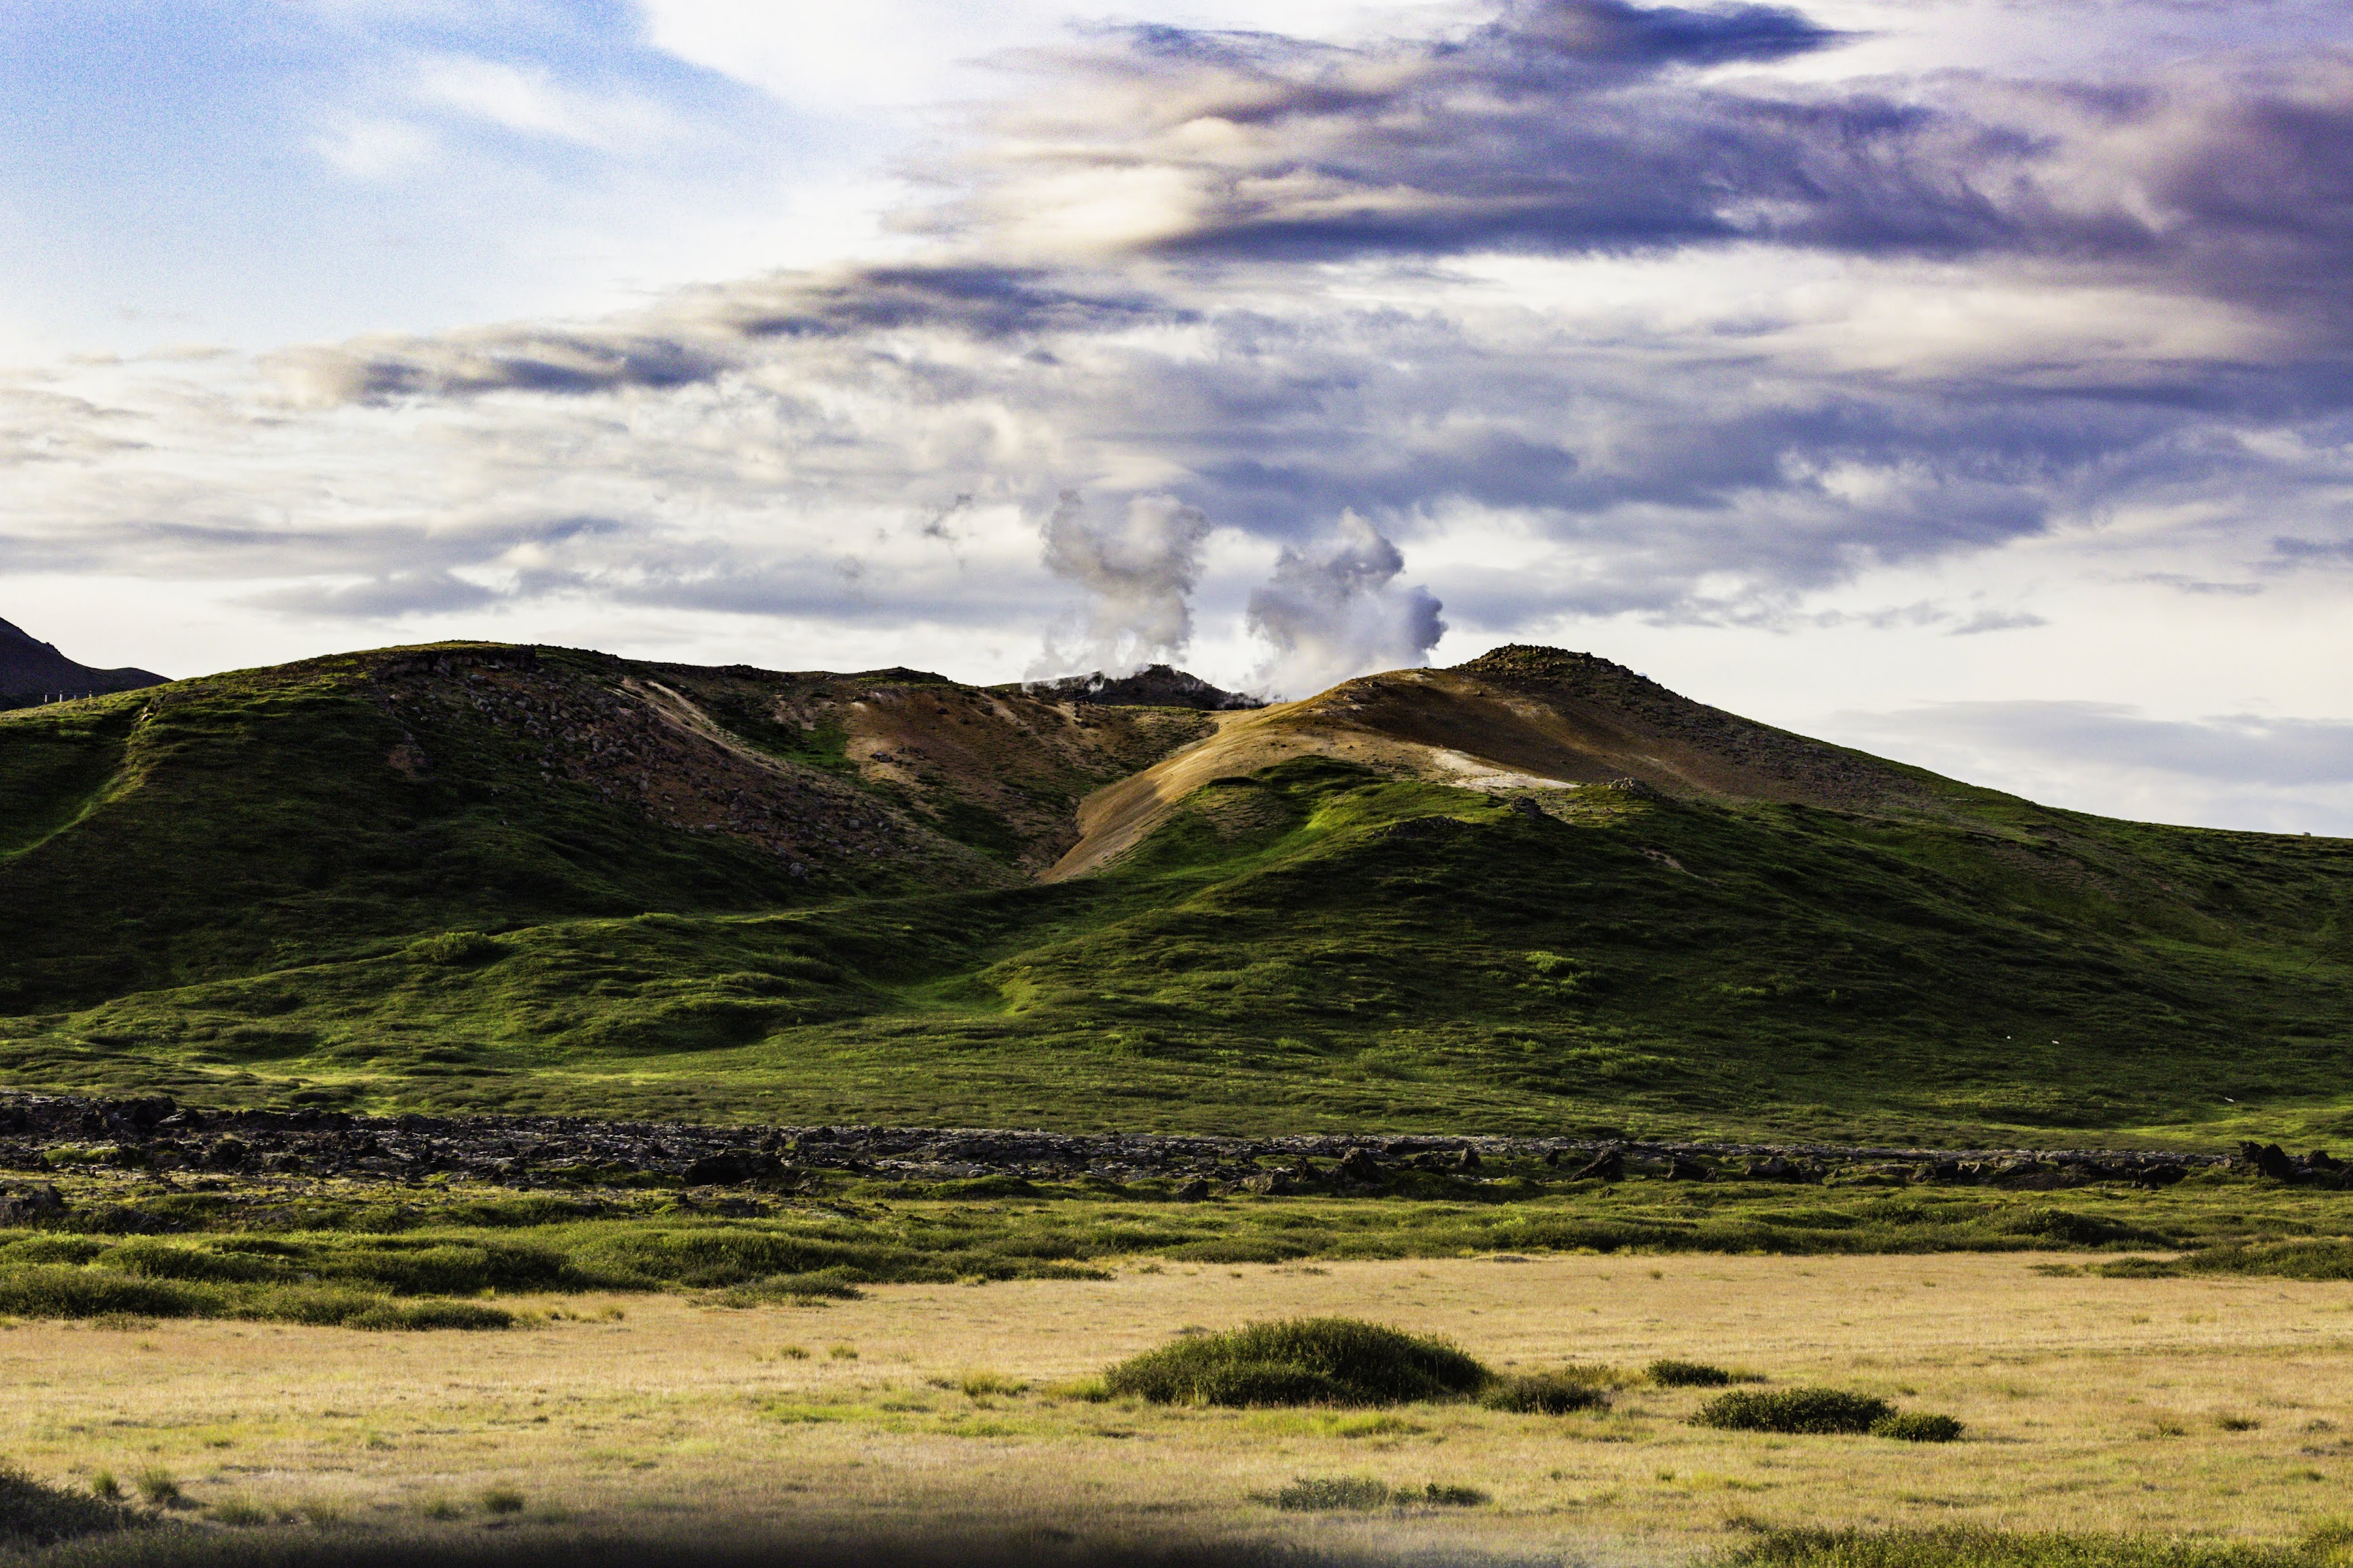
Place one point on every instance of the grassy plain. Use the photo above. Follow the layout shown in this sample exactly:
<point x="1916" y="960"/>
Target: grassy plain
<point x="2217" y="1409"/>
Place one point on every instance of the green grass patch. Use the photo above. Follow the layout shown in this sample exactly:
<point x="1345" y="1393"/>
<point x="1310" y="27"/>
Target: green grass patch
<point x="1363" y="1494"/>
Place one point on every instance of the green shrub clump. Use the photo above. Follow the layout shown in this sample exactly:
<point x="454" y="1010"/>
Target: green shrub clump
<point x="1799" y="1410"/>
<point x="1919" y="1426"/>
<point x="1548" y="1392"/>
<point x="1671" y="1374"/>
<point x="1299" y="1360"/>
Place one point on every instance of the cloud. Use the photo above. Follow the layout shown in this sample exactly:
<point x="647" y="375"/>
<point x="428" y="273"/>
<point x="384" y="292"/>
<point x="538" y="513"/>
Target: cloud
<point x="1335" y="610"/>
<point x="1582" y="127"/>
<point x="1138" y="567"/>
<point x="2237" y="748"/>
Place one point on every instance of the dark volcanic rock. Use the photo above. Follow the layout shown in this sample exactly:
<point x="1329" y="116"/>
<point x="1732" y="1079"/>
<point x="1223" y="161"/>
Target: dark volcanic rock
<point x="532" y="1152"/>
<point x="29" y="1205"/>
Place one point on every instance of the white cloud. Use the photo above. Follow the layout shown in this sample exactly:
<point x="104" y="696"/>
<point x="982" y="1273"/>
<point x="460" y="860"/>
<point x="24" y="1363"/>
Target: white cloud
<point x="376" y="149"/>
<point x="533" y="102"/>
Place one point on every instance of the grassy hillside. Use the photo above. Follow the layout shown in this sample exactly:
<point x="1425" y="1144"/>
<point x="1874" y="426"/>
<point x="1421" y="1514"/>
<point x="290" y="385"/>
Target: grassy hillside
<point x="500" y="878"/>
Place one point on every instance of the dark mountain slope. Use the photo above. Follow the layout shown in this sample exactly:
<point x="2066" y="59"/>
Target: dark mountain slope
<point x="1413" y="901"/>
<point x="32" y="671"/>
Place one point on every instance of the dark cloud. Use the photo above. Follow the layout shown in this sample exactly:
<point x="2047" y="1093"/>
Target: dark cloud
<point x="1568" y="127"/>
<point x="531" y="360"/>
<point x="978" y="301"/>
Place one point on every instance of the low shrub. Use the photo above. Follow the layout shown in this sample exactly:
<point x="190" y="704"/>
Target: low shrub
<point x="160" y="1488"/>
<point x="1548" y="1392"/>
<point x="34" y="1513"/>
<point x="1797" y="1410"/>
<point x="1299" y="1360"/>
<point x="1917" y="1426"/>
<point x="1671" y="1374"/>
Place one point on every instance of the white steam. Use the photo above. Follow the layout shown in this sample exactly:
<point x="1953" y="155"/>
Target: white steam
<point x="1139" y="568"/>
<point x="1335" y="611"/>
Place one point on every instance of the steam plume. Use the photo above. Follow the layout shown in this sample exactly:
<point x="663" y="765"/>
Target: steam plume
<point x="1336" y="612"/>
<point x="1139" y="568"/>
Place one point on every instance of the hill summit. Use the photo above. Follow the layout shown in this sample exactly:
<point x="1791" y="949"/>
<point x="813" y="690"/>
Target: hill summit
<point x="1535" y="892"/>
<point x="32" y="671"/>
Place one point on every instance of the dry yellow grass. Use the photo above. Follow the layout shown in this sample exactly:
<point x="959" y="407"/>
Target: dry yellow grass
<point x="2174" y="1406"/>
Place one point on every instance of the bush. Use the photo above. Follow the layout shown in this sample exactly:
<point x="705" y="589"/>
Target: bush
<point x="1670" y="1374"/>
<point x="1547" y="1393"/>
<point x="1802" y="1410"/>
<point x="1299" y="1360"/>
<point x="60" y="1292"/>
<point x="36" y="1513"/>
<point x="1920" y="1427"/>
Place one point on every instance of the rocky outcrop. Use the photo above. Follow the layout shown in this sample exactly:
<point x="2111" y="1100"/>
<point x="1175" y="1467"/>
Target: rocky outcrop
<point x="49" y="1132"/>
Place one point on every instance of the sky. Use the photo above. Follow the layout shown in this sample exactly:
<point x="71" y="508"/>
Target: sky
<point x="1968" y="381"/>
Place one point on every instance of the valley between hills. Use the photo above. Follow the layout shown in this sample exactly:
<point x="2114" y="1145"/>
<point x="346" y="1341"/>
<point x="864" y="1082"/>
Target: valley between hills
<point x="1532" y="895"/>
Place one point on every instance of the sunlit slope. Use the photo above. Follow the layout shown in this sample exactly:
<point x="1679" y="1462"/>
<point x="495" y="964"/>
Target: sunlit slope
<point x="1518" y="717"/>
<point x="1759" y="934"/>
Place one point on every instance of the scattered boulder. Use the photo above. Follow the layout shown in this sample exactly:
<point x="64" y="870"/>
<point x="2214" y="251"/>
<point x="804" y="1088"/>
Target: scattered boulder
<point x="1274" y="1183"/>
<point x="1773" y="1168"/>
<point x="1358" y="1166"/>
<point x="1192" y="1192"/>
<point x="1606" y="1166"/>
<point x="2270" y="1160"/>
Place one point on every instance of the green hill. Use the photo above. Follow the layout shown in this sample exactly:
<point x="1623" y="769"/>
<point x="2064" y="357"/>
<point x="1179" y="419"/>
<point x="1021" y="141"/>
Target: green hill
<point x="475" y="877"/>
